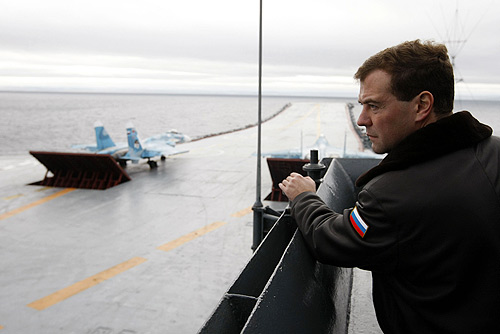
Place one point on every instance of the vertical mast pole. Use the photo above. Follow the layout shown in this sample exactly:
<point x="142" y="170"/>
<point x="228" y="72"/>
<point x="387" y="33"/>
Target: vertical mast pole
<point x="257" y="208"/>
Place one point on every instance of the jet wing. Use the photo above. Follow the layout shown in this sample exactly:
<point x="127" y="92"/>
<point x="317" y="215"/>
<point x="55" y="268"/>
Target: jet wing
<point x="163" y="149"/>
<point x="171" y="138"/>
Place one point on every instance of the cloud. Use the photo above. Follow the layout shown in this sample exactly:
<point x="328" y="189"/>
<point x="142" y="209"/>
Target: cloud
<point x="309" y="48"/>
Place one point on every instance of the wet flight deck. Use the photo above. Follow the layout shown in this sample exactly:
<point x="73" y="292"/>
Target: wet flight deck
<point x="155" y="254"/>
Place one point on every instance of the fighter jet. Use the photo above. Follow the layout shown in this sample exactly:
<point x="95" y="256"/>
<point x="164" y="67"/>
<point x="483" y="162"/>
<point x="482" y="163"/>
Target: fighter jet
<point x="154" y="147"/>
<point x="161" y="145"/>
<point x="325" y="150"/>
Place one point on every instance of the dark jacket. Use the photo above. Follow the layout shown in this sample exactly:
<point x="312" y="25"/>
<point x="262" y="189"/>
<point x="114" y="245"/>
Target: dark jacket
<point x="432" y="211"/>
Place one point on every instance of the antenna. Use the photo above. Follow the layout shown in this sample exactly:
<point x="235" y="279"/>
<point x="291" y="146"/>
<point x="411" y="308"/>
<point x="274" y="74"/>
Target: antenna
<point x="457" y="36"/>
<point x="455" y="39"/>
<point x="258" y="208"/>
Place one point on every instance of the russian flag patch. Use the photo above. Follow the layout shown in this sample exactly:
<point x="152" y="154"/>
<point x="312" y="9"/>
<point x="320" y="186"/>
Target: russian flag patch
<point x="358" y="223"/>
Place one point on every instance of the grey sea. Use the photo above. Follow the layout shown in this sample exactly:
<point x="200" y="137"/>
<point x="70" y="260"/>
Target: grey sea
<point x="55" y="121"/>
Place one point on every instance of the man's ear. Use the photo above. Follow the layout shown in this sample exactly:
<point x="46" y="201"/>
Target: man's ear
<point x="425" y="105"/>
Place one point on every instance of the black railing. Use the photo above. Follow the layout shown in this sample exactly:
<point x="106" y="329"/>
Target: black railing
<point x="283" y="289"/>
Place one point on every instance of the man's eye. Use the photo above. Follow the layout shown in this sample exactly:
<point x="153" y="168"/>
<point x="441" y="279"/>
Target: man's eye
<point x="373" y="107"/>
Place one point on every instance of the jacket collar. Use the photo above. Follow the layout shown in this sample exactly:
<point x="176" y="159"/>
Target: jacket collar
<point x="444" y="136"/>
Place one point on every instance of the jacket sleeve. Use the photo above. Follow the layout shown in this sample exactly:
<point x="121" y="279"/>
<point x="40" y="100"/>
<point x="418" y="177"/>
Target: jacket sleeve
<point x="334" y="239"/>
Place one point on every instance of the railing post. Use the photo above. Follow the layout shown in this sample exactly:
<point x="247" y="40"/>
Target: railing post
<point x="314" y="168"/>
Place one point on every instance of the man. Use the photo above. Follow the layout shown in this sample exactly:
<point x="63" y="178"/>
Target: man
<point x="426" y="222"/>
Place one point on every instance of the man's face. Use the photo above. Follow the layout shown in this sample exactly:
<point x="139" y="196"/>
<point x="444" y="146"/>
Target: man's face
<point x="387" y="120"/>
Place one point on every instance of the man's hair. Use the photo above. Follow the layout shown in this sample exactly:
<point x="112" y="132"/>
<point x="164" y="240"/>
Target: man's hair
<point x="416" y="67"/>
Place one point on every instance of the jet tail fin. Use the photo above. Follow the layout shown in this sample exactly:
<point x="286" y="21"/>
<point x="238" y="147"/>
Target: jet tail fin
<point x="102" y="137"/>
<point x="134" y="144"/>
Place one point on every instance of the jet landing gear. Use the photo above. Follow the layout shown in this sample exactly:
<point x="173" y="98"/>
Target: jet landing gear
<point x="153" y="164"/>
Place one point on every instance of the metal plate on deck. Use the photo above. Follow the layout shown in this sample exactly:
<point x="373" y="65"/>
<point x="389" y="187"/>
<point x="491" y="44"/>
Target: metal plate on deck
<point x="280" y="168"/>
<point x="80" y="170"/>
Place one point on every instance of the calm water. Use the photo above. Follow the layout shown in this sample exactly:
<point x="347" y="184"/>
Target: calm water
<point x="40" y="121"/>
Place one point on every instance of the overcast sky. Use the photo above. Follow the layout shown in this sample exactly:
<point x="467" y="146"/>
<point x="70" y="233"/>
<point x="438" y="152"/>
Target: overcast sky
<point x="197" y="46"/>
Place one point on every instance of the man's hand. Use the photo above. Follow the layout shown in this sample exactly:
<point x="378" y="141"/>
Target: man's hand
<point x="296" y="184"/>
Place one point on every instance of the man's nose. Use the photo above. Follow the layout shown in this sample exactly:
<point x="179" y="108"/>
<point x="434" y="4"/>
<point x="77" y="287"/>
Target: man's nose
<point x="364" y="119"/>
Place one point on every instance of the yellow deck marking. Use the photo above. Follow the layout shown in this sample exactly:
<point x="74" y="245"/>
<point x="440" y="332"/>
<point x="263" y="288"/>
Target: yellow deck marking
<point x="301" y="118"/>
<point x="318" y="122"/>
<point x="43" y="189"/>
<point x="31" y="205"/>
<point x="72" y="290"/>
<point x="12" y="197"/>
<point x="242" y="212"/>
<point x="190" y="236"/>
